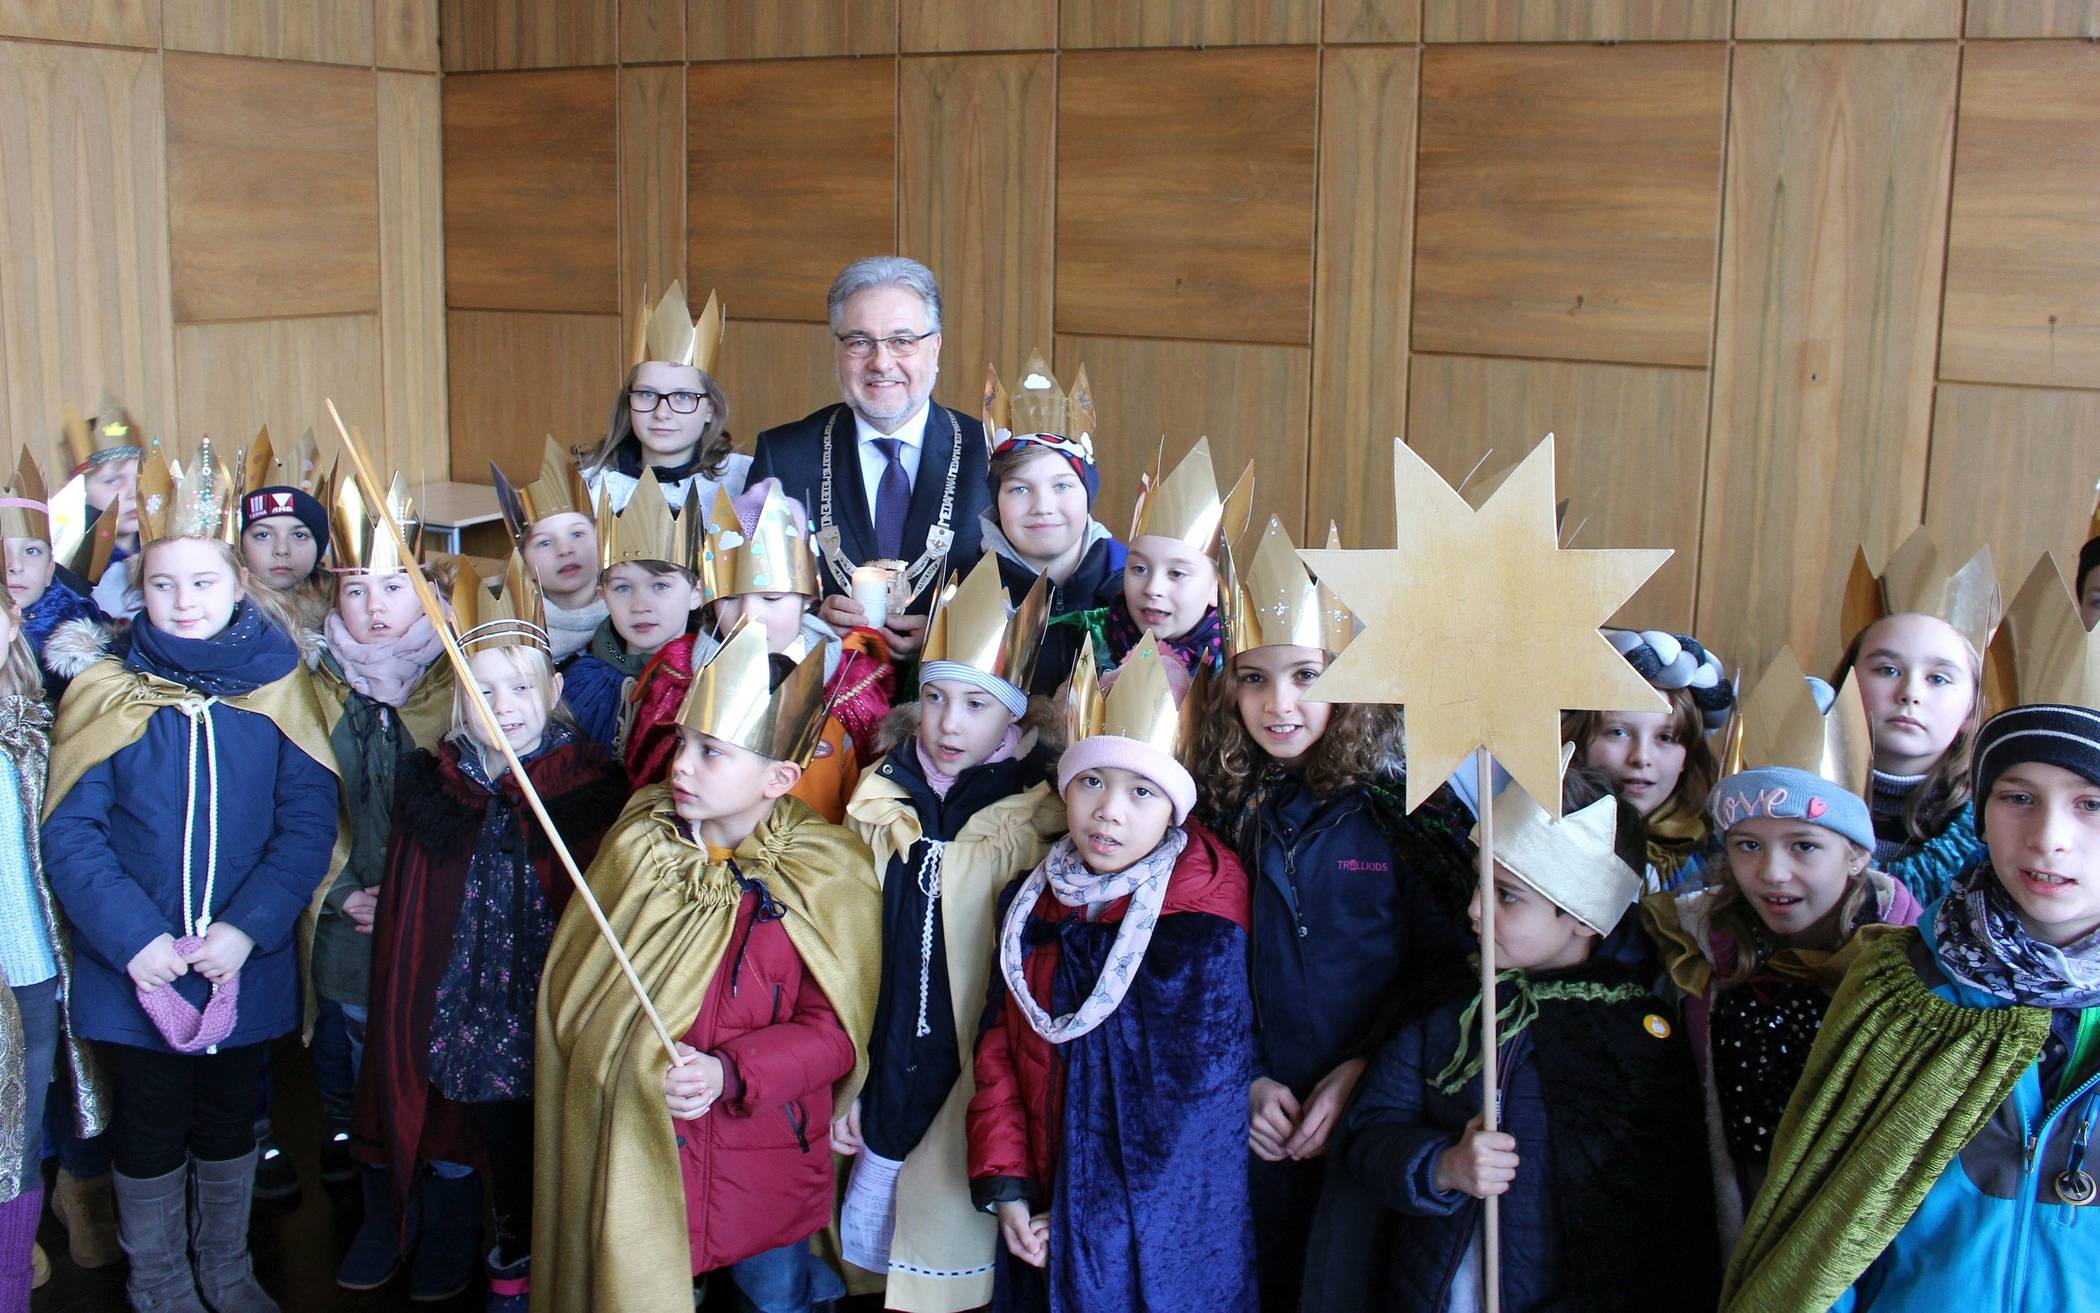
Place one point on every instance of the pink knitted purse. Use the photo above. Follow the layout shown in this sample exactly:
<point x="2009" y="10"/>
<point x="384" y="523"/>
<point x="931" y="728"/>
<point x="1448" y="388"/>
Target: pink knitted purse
<point x="179" y="1022"/>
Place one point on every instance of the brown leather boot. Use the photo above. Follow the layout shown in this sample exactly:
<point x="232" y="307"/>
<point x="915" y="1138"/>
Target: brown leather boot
<point x="87" y="1209"/>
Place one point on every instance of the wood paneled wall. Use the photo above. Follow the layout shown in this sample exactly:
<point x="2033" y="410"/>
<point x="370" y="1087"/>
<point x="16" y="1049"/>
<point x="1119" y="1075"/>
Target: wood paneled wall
<point x="221" y="212"/>
<point x="1783" y="275"/>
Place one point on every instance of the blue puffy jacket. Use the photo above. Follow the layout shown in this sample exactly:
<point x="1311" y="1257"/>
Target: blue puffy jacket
<point x="1991" y="1236"/>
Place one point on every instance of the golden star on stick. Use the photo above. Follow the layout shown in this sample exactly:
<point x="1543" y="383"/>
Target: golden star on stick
<point x="1482" y="626"/>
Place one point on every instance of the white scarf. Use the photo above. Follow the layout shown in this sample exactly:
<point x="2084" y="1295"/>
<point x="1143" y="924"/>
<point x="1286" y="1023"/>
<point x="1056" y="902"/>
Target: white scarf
<point x="570" y="631"/>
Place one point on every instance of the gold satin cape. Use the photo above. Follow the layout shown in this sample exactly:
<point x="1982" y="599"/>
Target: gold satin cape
<point x="937" y="1227"/>
<point x="605" y="1153"/>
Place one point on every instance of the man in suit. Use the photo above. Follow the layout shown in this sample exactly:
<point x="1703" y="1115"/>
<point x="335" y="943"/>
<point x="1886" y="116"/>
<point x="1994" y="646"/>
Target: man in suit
<point x="906" y="478"/>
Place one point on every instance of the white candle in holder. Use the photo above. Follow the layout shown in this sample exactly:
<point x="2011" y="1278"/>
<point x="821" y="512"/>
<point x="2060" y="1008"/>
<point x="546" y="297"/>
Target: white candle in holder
<point x="871" y="588"/>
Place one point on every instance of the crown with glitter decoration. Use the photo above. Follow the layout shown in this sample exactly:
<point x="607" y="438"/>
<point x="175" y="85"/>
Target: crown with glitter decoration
<point x="1918" y="581"/>
<point x="514" y="615"/>
<point x="559" y="490"/>
<point x="111" y="435"/>
<point x="972" y="625"/>
<point x="669" y="331"/>
<point x="648" y="529"/>
<point x="298" y="467"/>
<point x="188" y="499"/>
<point x="357" y="538"/>
<point x="1780" y="724"/>
<point x="2054" y="658"/>
<point x="1140" y="704"/>
<point x="25" y="510"/>
<point x="1039" y="412"/>
<point x="733" y="699"/>
<point x="1184" y="504"/>
<point x="1273" y="602"/>
<point x="776" y="555"/>
<point x="1572" y="862"/>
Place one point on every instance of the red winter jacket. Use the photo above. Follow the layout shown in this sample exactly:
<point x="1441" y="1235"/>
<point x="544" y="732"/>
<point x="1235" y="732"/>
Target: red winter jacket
<point x="1015" y="1115"/>
<point x="652" y="735"/>
<point x="757" y="1166"/>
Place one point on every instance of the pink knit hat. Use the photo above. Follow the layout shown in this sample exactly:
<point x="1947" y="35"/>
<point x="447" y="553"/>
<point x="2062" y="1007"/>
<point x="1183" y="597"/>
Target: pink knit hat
<point x="1143" y="759"/>
<point x="179" y="1022"/>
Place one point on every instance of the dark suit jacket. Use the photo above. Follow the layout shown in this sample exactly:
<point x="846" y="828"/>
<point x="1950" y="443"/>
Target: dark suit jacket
<point x="794" y="454"/>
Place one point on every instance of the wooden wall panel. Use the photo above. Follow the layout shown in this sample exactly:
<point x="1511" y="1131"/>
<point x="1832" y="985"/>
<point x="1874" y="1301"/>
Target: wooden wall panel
<point x="1118" y="23"/>
<point x="516" y="377"/>
<point x="531" y="191"/>
<point x="791" y="172"/>
<point x="328" y="31"/>
<point x="405" y="34"/>
<point x="789" y="29"/>
<point x="273" y="197"/>
<point x="1371" y="20"/>
<point x="1846" y="20"/>
<point x="1251" y="401"/>
<point x="497" y="34"/>
<point x="2063" y="18"/>
<point x="412" y="269"/>
<point x="1575" y="20"/>
<point x="233" y="378"/>
<point x="1570" y="201"/>
<point x="1185" y="193"/>
<point x="1361" y="291"/>
<point x="952" y="25"/>
<point x="2013" y="467"/>
<point x="2023" y="287"/>
<point x="977" y="166"/>
<point x="1606" y="419"/>
<point x="652" y="187"/>
<point x="95" y="22"/>
<point x="1838" y="170"/>
<point x="774" y="373"/>
<point x="652" y="31"/>
<point x="83" y="236"/>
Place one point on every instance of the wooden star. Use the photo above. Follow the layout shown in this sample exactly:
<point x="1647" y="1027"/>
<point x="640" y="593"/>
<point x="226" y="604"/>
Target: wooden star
<point x="1482" y="627"/>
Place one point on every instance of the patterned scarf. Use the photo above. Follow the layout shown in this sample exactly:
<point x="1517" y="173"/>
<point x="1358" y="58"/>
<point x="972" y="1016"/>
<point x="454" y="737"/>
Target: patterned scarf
<point x="1982" y="943"/>
<point x="1074" y="884"/>
<point x="247" y="654"/>
<point x="1201" y="648"/>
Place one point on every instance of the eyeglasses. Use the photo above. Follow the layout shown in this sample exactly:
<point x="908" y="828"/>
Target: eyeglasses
<point x="860" y="346"/>
<point x="644" y="400"/>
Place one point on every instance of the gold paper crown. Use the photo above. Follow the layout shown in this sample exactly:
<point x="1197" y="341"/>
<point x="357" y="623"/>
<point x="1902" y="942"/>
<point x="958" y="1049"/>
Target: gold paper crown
<point x="1275" y="603"/>
<point x="778" y="556"/>
<point x="299" y="467"/>
<point x="1779" y="724"/>
<point x="1140" y="706"/>
<point x="1039" y="405"/>
<point x="1573" y="862"/>
<point x="2054" y="659"/>
<point x="647" y="530"/>
<point x="732" y="699"/>
<point x="515" y="615"/>
<point x="193" y="502"/>
<point x="82" y="538"/>
<point x="669" y="331"/>
<point x="559" y="490"/>
<point x="971" y="626"/>
<point x="25" y="510"/>
<point x="112" y="435"/>
<point x="1184" y="504"/>
<point x="360" y="543"/>
<point x="1917" y="580"/>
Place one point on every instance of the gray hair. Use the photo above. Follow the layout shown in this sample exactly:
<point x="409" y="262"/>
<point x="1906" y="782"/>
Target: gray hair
<point x="885" y="271"/>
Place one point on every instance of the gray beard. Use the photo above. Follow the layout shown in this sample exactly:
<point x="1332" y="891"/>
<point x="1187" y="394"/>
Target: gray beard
<point x="890" y="423"/>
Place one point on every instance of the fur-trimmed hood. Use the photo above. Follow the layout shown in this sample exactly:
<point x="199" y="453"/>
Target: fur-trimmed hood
<point x="1041" y="726"/>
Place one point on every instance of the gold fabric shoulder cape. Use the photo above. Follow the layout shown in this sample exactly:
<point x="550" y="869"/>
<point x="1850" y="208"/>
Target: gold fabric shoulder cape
<point x="606" y="1152"/>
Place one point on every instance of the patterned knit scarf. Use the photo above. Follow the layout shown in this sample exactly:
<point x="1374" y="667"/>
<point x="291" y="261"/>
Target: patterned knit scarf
<point x="1074" y="884"/>
<point x="1201" y="648"/>
<point x="1982" y="943"/>
<point x="1525" y="995"/>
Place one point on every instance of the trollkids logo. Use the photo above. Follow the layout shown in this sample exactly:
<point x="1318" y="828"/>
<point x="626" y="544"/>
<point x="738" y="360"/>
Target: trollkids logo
<point x="1358" y="864"/>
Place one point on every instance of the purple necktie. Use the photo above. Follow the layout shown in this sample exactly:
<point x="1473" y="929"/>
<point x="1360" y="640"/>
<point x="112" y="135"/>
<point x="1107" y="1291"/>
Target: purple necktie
<point x="892" y="501"/>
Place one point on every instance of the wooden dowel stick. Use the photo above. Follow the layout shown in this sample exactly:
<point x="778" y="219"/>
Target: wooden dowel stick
<point x="1490" y="1057"/>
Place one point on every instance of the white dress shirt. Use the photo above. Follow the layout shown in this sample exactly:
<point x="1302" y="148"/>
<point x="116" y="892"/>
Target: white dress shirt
<point x="912" y="433"/>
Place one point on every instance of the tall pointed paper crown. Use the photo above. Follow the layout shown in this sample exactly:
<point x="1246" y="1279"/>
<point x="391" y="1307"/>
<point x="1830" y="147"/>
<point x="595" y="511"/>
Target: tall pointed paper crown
<point x="1779" y="724"/>
<point x="1040" y="411"/>
<point x="1572" y="862"/>
<point x="648" y="529"/>
<point x="732" y="699"/>
<point x="559" y="489"/>
<point x="770" y="551"/>
<point x="2054" y="659"/>
<point x="972" y="627"/>
<point x="299" y="466"/>
<point x="357" y="538"/>
<point x="25" y="510"/>
<point x="188" y="499"/>
<point x="1275" y="603"/>
<point x="669" y="332"/>
<point x="1918" y="580"/>
<point x="82" y="539"/>
<point x="111" y="435"/>
<point x="1139" y="706"/>
<point x="515" y="615"/>
<point x="1185" y="504"/>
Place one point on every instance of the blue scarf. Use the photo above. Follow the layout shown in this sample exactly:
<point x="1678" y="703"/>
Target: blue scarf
<point x="247" y="654"/>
